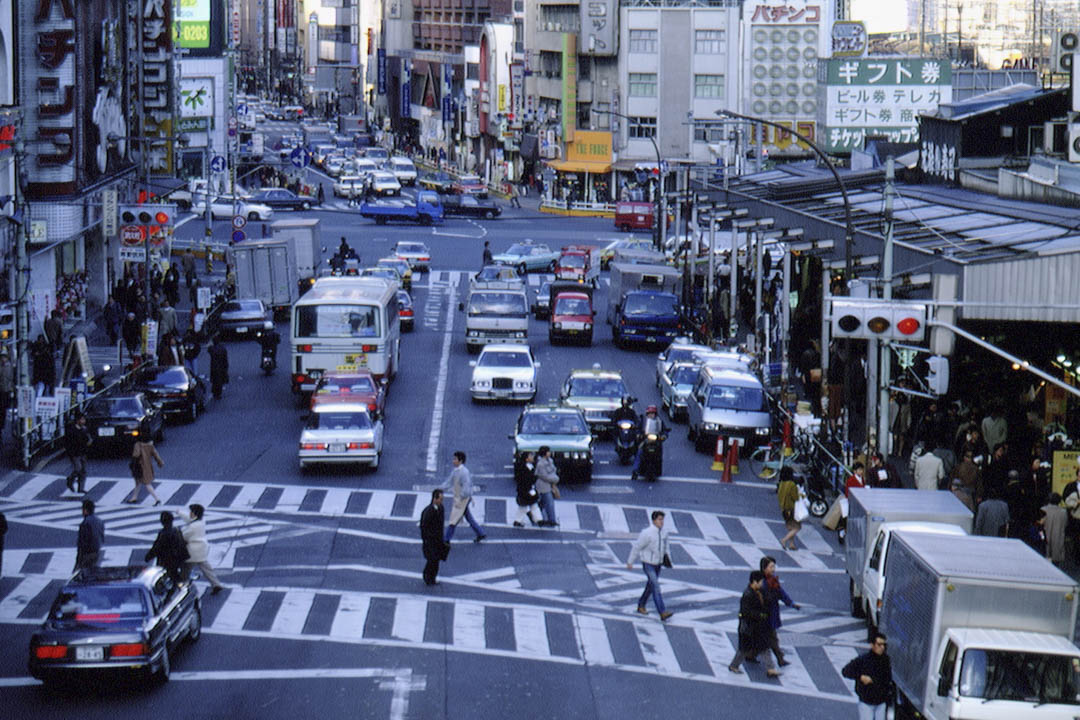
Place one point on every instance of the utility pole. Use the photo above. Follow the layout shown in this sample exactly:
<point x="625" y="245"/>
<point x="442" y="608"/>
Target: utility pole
<point x="885" y="355"/>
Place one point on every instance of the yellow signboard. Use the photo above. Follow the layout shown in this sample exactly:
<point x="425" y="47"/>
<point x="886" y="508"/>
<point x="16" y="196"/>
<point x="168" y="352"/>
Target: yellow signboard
<point x="589" y="146"/>
<point x="502" y="98"/>
<point x="1065" y="464"/>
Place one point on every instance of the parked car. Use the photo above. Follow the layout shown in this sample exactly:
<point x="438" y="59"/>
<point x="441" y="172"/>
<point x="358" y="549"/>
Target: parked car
<point x="115" y="620"/>
<point x="341" y="433"/>
<point x="116" y="420"/>
<point x="470" y="185"/>
<point x="440" y="182"/>
<point x="283" y="199"/>
<point x="406" y="313"/>
<point x="174" y="388"/>
<point x="470" y="206"/>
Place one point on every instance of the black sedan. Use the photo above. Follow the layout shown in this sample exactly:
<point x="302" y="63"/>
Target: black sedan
<point x="115" y="620"/>
<point x="115" y="421"/>
<point x="282" y="199"/>
<point x="173" y="388"/>
<point x="470" y="206"/>
<point x="243" y="319"/>
<point x="440" y="182"/>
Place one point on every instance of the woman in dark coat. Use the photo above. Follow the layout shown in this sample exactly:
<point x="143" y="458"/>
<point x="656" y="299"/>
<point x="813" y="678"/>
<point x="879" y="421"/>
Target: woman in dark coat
<point x="754" y="630"/>
<point x="524" y="477"/>
<point x="219" y="367"/>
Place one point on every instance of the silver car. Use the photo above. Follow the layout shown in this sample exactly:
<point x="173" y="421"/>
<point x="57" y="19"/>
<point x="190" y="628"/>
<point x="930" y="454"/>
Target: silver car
<point x="727" y="403"/>
<point x="341" y="433"/>
<point x="244" y="318"/>
<point x="680" y="350"/>
<point x="504" y="372"/>
<point x="675" y="386"/>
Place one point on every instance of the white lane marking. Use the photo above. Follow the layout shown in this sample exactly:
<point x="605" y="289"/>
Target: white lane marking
<point x="27" y="589"/>
<point x="350" y="616"/>
<point x="656" y="649"/>
<point x="440" y="387"/>
<point x="530" y="631"/>
<point x="469" y="625"/>
<point x="410" y="618"/>
<point x="292" y="615"/>
<point x="593" y="640"/>
<point x="235" y="611"/>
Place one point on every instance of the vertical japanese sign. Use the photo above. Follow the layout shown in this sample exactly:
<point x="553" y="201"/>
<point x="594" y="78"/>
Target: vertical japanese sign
<point x="517" y="94"/>
<point x="406" y="89"/>
<point x="569" y="86"/>
<point x="156" y="103"/>
<point x="884" y="96"/>
<point x="380" y="64"/>
<point x="599" y="27"/>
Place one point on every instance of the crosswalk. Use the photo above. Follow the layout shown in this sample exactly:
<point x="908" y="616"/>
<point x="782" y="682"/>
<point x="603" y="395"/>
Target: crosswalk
<point x="461" y="278"/>
<point x="691" y="651"/>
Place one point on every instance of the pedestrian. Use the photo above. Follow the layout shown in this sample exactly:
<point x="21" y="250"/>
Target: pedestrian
<point x="219" y="367"/>
<point x="515" y="201"/>
<point x="170" y="353"/>
<point x="169" y="549"/>
<point x="167" y="323"/>
<point x="111" y="315"/>
<point x="435" y="547"/>
<point x="194" y="533"/>
<point x="992" y="517"/>
<point x="487" y="259"/>
<point x="929" y="471"/>
<point x="54" y="331"/>
<point x="77" y="444"/>
<point x="872" y="673"/>
<point x="44" y="365"/>
<point x="525" y="479"/>
<point x="547" y="485"/>
<point x="91" y="538"/>
<point x="192" y="347"/>
<point x="187" y="263"/>
<point x="753" y="627"/>
<point x="171" y="285"/>
<point x="1057" y="519"/>
<point x="460" y="484"/>
<point x="774" y="593"/>
<point x="322" y="194"/>
<point x="143" y="456"/>
<point x="787" y="493"/>
<point x="132" y="334"/>
<point x="652" y="548"/>
<point x="857" y="478"/>
<point x="3" y="532"/>
<point x="7" y="389"/>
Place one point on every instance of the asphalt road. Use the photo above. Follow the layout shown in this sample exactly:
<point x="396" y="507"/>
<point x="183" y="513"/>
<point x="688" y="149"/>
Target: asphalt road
<point x="325" y="612"/>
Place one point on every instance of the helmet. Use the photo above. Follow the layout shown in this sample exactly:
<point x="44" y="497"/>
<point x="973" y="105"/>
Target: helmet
<point x="626" y="400"/>
<point x="650" y="409"/>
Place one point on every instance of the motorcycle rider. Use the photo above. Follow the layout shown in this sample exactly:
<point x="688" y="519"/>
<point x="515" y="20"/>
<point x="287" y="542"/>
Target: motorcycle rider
<point x="269" y="341"/>
<point x="344" y="252"/>
<point x="625" y="411"/>
<point x="649" y="424"/>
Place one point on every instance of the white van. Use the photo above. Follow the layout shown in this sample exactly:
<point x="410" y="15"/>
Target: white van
<point x="727" y="402"/>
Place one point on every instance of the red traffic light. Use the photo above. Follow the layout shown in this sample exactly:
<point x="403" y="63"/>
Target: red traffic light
<point x="161" y="217"/>
<point x="908" y="325"/>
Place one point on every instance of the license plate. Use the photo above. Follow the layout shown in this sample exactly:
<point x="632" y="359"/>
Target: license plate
<point x="337" y="448"/>
<point x="90" y="653"/>
<point x="241" y="329"/>
<point x="106" y="432"/>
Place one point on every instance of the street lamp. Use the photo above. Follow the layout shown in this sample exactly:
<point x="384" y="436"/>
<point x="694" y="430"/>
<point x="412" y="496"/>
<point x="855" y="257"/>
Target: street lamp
<point x="849" y="235"/>
<point x="658" y="228"/>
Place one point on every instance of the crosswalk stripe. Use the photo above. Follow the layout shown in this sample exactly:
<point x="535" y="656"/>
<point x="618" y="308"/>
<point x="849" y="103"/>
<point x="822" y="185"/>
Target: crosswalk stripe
<point x="530" y="631"/>
<point x="292" y="496"/>
<point x="293" y="612"/>
<point x="205" y="494"/>
<point x="236" y="609"/>
<point x="410" y="619"/>
<point x="811" y="537"/>
<point x="32" y="487"/>
<point x="711" y="528"/>
<point x="717" y="648"/>
<point x="566" y="513"/>
<point x="381" y="504"/>
<point x="62" y="563"/>
<point x="593" y="639"/>
<point x="761" y="534"/>
<point x="656" y="648"/>
<point x="350" y="616"/>
<point x="702" y="555"/>
<point x="27" y="589"/>
<point x="116" y="494"/>
<point x="248" y="496"/>
<point x="469" y="625"/>
<point x="335" y="502"/>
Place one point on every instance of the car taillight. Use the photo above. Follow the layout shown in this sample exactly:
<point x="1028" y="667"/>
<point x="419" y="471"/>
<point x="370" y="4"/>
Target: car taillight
<point x="622" y="321"/>
<point x="312" y="446"/>
<point x="300" y="378"/>
<point x="304" y="348"/>
<point x="425" y="259"/>
<point x="372" y="407"/>
<point x="128" y="650"/>
<point x="50" y="652"/>
<point x="361" y="446"/>
<point x="369" y="348"/>
<point x="407" y="312"/>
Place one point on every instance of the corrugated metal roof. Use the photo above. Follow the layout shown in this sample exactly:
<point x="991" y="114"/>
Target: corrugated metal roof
<point x="990" y="102"/>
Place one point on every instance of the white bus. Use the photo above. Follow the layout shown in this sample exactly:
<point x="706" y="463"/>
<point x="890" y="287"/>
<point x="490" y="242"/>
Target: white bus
<point x="345" y="324"/>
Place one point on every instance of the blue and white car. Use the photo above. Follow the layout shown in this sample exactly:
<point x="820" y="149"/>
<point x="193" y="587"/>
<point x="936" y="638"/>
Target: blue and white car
<point x="681" y="349"/>
<point x="528" y="257"/>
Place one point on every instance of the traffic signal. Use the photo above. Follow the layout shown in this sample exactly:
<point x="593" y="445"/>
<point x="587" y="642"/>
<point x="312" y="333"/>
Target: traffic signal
<point x="875" y="320"/>
<point x="139" y="222"/>
<point x="162" y="218"/>
<point x="937" y="376"/>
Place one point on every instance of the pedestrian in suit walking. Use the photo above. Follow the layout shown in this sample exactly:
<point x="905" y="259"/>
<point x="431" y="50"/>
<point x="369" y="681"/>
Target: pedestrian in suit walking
<point x="753" y="626"/>
<point x="169" y="549"/>
<point x="77" y="444"/>
<point x="91" y="538"/>
<point x="431" y="533"/>
<point x="460" y="484"/>
<point x="219" y="367"/>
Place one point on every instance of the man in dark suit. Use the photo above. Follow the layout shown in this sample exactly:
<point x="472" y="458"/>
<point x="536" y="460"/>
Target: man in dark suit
<point x="432" y="520"/>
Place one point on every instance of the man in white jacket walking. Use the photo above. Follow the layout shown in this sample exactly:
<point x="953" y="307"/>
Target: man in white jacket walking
<point x="195" y="536"/>
<point x="651" y="547"/>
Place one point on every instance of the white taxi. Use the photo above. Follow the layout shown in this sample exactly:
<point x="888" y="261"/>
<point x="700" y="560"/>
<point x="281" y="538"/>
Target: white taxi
<point x="341" y="433"/>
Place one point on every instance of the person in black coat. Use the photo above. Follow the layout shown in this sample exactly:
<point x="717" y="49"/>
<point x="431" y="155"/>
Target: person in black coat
<point x="77" y="444"/>
<point x="755" y="635"/>
<point x="3" y="532"/>
<point x="44" y="366"/>
<point x="219" y="367"/>
<point x="526" y="496"/>
<point x="872" y="673"/>
<point x="169" y="549"/>
<point x="436" y="549"/>
<point x="132" y="333"/>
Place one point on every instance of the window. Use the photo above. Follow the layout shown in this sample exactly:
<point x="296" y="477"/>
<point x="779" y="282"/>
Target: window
<point x="642" y="127"/>
<point x="709" y="42"/>
<point x="708" y="134"/>
<point x="709" y="86"/>
<point x="643" y="84"/>
<point x="643" y="41"/>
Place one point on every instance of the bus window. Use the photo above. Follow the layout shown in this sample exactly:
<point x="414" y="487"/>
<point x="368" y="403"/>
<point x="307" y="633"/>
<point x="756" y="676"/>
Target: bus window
<point x="337" y="321"/>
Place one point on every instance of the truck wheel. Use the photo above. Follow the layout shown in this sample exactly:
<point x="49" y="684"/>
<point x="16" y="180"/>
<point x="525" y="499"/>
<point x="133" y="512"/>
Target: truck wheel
<point x="425" y="219"/>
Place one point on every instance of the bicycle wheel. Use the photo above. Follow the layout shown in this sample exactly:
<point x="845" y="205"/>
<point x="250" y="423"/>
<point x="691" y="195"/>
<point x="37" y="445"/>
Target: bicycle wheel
<point x="764" y="463"/>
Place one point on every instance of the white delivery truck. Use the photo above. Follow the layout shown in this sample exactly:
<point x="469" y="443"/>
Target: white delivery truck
<point x="874" y="514"/>
<point x="496" y="312"/>
<point x="265" y="271"/>
<point x="304" y="236"/>
<point x="979" y="628"/>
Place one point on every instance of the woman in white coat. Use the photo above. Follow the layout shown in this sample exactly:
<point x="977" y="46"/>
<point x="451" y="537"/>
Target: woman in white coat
<point x="195" y="536"/>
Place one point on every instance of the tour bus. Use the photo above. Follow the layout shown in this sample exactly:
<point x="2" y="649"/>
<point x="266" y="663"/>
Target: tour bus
<point x="345" y="324"/>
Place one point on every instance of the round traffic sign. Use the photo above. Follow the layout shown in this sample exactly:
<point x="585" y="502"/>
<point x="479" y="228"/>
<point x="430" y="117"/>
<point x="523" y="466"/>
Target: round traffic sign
<point x="239" y="235"/>
<point x="300" y="157"/>
<point x="131" y="234"/>
<point x="217" y="164"/>
<point x="239" y="221"/>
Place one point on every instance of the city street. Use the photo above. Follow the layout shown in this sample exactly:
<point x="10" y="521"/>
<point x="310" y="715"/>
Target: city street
<point x="325" y="612"/>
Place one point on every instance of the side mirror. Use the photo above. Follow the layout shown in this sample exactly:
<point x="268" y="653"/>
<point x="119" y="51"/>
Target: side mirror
<point x="536" y="364"/>
<point x="472" y="363"/>
<point x="510" y="436"/>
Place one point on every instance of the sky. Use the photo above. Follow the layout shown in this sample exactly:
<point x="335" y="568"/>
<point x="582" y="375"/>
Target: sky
<point x="879" y="15"/>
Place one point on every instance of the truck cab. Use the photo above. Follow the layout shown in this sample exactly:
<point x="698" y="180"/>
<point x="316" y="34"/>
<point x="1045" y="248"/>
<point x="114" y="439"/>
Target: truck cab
<point x="579" y="263"/>
<point x="646" y="316"/>
<point x="572" y="312"/>
<point x="496" y="311"/>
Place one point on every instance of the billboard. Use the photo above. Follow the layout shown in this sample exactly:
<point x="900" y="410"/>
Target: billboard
<point x="569" y="86"/>
<point x="880" y="96"/>
<point x="193" y="23"/>
<point x="156" y="105"/>
<point x="600" y="27"/>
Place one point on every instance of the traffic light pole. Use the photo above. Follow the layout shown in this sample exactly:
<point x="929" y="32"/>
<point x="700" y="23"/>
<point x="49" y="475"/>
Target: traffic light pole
<point x="884" y="437"/>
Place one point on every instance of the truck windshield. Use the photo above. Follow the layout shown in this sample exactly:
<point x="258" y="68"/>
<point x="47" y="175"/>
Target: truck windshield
<point x="483" y="304"/>
<point x="651" y="305"/>
<point x="572" y="306"/>
<point x="730" y="397"/>
<point x="1025" y="677"/>
<point x="572" y="261"/>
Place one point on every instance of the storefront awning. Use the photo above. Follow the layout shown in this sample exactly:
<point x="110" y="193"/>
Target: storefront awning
<point x="580" y="166"/>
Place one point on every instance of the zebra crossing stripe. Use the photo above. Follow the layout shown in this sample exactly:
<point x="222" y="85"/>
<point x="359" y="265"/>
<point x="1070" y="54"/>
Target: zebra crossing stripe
<point x="410" y="619"/>
<point x="293" y="612"/>
<point x="237" y="607"/>
<point x="17" y="600"/>
<point x="351" y="614"/>
<point x="656" y="649"/>
<point x="594" y="640"/>
<point x="469" y="625"/>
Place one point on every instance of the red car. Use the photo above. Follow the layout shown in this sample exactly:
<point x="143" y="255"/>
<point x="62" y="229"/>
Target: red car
<point x="634" y="216"/>
<point x="470" y="185"/>
<point x="358" y="386"/>
<point x="571" y="312"/>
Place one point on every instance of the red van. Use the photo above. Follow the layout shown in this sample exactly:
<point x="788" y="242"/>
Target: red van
<point x="634" y="216"/>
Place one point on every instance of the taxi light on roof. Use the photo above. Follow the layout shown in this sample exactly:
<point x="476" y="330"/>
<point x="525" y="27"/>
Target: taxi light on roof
<point x="50" y="652"/>
<point x="128" y="650"/>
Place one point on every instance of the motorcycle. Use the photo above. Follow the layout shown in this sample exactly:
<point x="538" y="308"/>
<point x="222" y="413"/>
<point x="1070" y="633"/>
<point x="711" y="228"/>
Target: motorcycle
<point x="268" y="363"/>
<point x="652" y="457"/>
<point x="626" y="440"/>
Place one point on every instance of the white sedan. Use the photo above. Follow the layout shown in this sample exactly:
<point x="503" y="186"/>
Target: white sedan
<point x="341" y="433"/>
<point x="504" y="372"/>
<point x="221" y="208"/>
<point x="348" y="186"/>
<point x="384" y="183"/>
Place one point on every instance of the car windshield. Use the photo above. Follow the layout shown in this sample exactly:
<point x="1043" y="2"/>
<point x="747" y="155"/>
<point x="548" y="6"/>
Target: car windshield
<point x="685" y="375"/>
<point x="358" y="385"/>
<point x="519" y="249"/>
<point x="386" y="272"/>
<point x="733" y="397"/>
<point x="497" y="303"/>
<point x="561" y="423"/>
<point x="128" y="407"/>
<point x="572" y="306"/>
<point x="169" y="376"/>
<point x="572" y="261"/>
<point x="410" y="248"/>
<point x="503" y="358"/>
<point x="597" y="387"/>
<point x="247" y="306"/>
<point x="680" y="354"/>
<point x="651" y="305"/>
<point x="341" y="321"/>
<point x="544" y="295"/>
<point x="339" y="421"/>
<point x="99" y="605"/>
<point x="1024" y="677"/>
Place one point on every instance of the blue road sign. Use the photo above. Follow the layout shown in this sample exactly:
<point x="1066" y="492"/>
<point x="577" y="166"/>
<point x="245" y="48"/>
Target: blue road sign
<point x="241" y="109"/>
<point x="239" y="235"/>
<point x="217" y="164"/>
<point x="300" y="157"/>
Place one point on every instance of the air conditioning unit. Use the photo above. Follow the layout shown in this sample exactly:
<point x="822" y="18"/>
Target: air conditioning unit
<point x="1074" y="142"/>
<point x="1065" y="44"/>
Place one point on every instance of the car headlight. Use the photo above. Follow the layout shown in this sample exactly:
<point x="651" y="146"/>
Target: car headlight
<point x="522" y="384"/>
<point x="762" y="431"/>
<point x="558" y="326"/>
<point x="519" y="334"/>
<point x="473" y="333"/>
<point x="712" y="426"/>
<point x="481" y="384"/>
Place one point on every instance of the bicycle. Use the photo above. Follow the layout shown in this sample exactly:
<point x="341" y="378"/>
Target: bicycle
<point x="767" y="460"/>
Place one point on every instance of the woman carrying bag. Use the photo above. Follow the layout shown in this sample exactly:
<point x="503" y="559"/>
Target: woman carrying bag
<point x="793" y="506"/>
<point x="143" y="456"/>
<point x="525" y="477"/>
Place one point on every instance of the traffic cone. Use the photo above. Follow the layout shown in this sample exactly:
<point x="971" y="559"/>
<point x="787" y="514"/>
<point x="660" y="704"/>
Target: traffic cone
<point x="733" y="456"/>
<point x="718" y="455"/>
<point x="788" y="451"/>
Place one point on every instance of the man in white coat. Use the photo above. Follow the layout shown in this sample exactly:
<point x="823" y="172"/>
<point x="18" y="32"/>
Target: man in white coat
<point x="652" y="548"/>
<point x="195" y="536"/>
